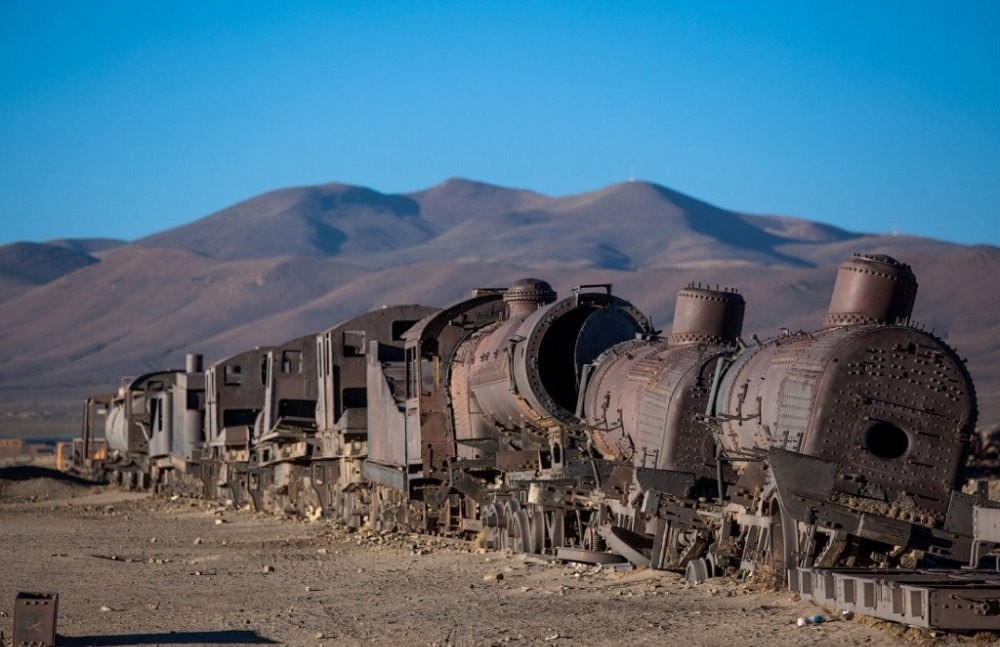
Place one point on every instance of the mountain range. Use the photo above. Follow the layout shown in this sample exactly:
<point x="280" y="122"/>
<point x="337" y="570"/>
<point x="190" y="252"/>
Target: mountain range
<point x="79" y="314"/>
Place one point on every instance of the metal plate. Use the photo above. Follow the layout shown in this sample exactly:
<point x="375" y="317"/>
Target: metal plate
<point x="632" y="546"/>
<point x="35" y="619"/>
<point x="588" y="556"/>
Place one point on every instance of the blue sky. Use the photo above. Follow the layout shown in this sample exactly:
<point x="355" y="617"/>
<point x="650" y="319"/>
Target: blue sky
<point x="119" y="119"/>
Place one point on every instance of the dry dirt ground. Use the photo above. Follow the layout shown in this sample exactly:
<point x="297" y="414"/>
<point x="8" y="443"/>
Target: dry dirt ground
<point x="133" y="569"/>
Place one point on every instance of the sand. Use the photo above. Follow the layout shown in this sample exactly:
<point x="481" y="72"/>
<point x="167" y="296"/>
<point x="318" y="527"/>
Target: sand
<point x="134" y="569"/>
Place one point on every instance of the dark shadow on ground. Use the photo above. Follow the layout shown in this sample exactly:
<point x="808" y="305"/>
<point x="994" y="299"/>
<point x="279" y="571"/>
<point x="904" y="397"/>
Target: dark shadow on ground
<point x="28" y="472"/>
<point x="233" y="637"/>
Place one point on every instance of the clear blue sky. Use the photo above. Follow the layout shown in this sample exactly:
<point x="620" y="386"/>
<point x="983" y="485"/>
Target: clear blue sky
<point x="119" y="119"/>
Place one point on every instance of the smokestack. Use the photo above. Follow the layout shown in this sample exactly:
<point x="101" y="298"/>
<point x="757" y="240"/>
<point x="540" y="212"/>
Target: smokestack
<point x="194" y="363"/>
<point x="704" y="316"/>
<point x="871" y="289"/>
<point x="528" y="295"/>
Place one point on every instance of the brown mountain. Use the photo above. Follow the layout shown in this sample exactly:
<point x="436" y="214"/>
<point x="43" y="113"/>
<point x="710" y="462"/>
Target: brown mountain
<point x="327" y="220"/>
<point x="78" y="315"/>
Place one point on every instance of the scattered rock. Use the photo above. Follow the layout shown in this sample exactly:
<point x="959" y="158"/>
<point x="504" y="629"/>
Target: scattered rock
<point x="197" y="541"/>
<point x="268" y="568"/>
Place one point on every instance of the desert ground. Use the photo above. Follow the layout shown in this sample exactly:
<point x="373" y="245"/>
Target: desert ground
<point x="138" y="569"/>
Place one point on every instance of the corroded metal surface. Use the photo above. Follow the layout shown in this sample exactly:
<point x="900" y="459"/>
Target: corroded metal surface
<point x="35" y="619"/>
<point x="871" y="289"/>
<point x="939" y="599"/>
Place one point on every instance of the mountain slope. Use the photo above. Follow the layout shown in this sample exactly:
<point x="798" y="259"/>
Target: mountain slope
<point x="40" y="263"/>
<point x="326" y="220"/>
<point x="78" y="315"/>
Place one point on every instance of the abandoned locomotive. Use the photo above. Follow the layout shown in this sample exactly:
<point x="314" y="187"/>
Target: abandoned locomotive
<point x="570" y="427"/>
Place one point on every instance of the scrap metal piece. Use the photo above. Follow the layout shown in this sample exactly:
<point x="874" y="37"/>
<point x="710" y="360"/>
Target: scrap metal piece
<point x="585" y="556"/>
<point x="633" y="546"/>
<point x="985" y="532"/>
<point x="936" y="599"/>
<point x="35" y="619"/>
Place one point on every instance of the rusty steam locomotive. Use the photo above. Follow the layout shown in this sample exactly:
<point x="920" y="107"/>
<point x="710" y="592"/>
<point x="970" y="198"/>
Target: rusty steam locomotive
<point x="571" y="427"/>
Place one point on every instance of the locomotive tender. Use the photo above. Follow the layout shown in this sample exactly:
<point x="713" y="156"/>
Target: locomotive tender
<point x="570" y="426"/>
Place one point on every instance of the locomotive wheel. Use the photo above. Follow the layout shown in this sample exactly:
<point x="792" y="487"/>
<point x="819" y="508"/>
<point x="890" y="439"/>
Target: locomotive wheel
<point x="536" y="532"/>
<point x="555" y="528"/>
<point x="417" y="518"/>
<point x="346" y="509"/>
<point x="376" y="511"/>
<point x="699" y="570"/>
<point x="592" y="539"/>
<point x="494" y="526"/>
<point x="515" y="537"/>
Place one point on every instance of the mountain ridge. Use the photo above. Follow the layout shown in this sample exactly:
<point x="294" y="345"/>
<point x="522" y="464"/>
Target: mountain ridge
<point x="80" y="313"/>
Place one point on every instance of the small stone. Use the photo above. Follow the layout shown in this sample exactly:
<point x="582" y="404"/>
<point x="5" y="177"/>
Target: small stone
<point x="321" y="551"/>
<point x="219" y="522"/>
<point x="197" y="541"/>
<point x="268" y="569"/>
<point x="152" y="540"/>
<point x="320" y="636"/>
<point x="105" y="608"/>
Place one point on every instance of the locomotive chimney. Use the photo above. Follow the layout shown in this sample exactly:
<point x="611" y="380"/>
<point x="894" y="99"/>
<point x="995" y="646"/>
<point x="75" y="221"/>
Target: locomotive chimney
<point x="871" y="288"/>
<point x="704" y="316"/>
<point x="194" y="363"/>
<point x="528" y="295"/>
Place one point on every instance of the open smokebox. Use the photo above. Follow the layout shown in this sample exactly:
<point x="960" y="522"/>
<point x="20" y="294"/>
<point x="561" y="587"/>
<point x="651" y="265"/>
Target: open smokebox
<point x="35" y="619"/>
